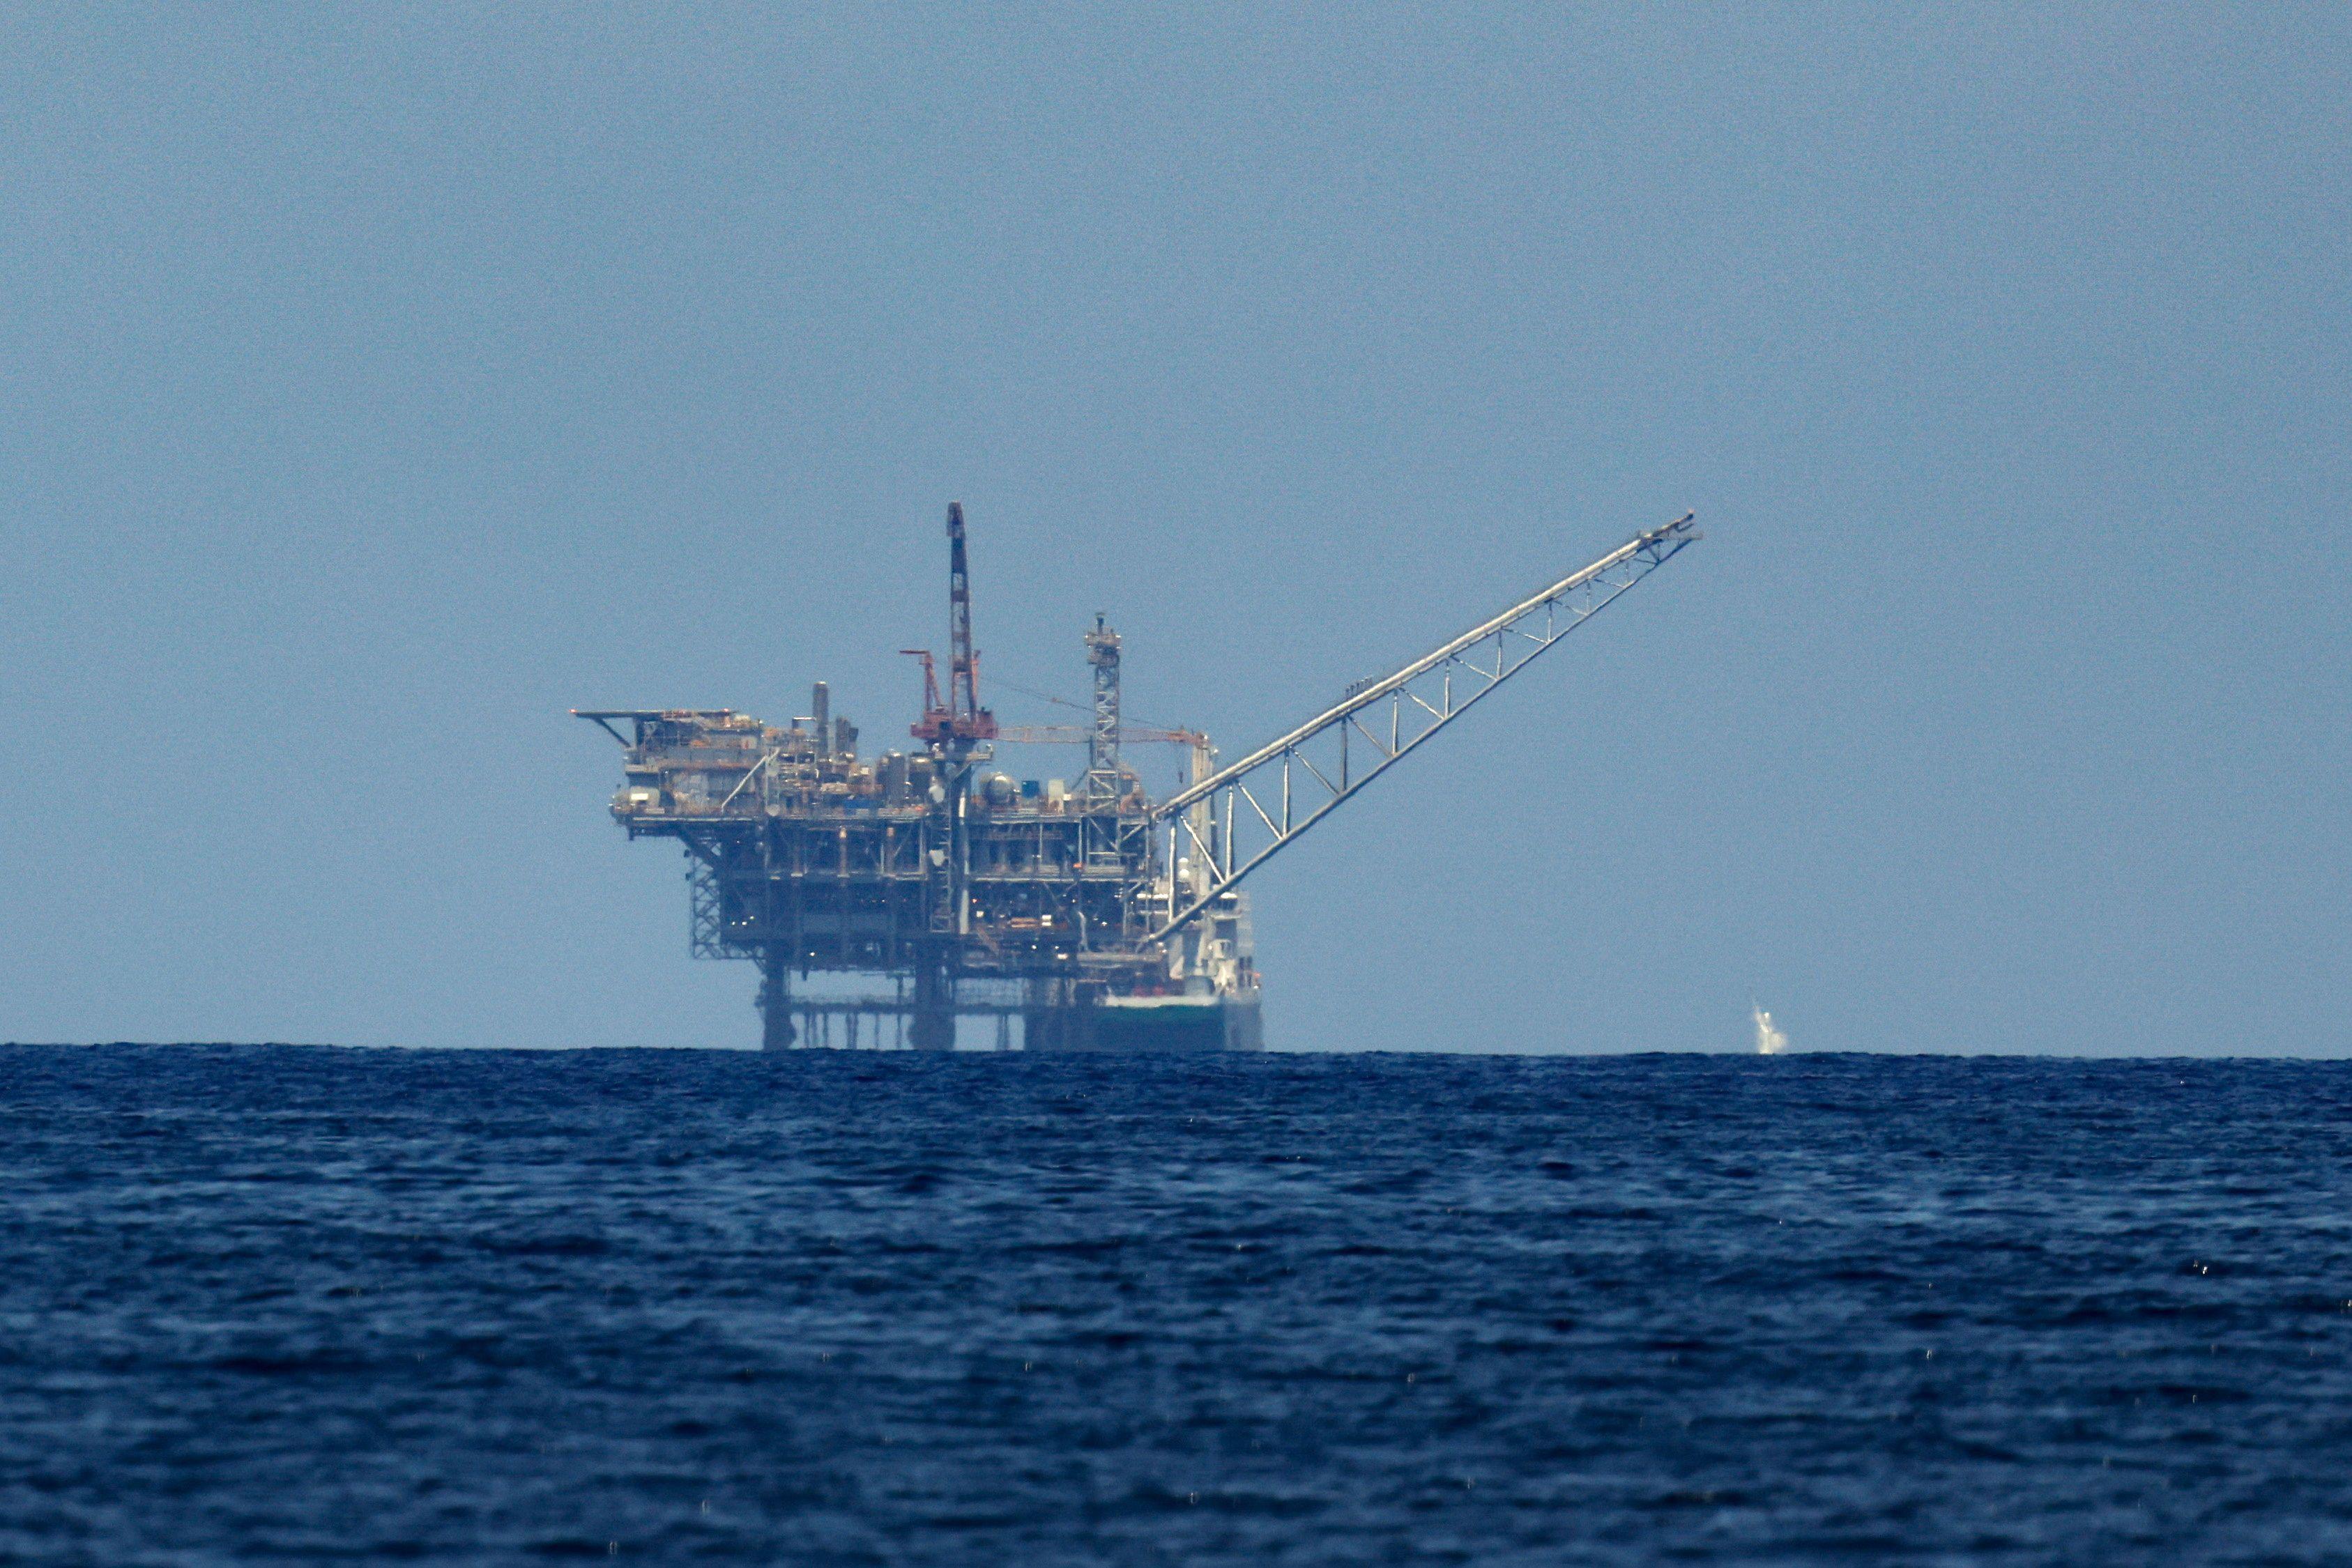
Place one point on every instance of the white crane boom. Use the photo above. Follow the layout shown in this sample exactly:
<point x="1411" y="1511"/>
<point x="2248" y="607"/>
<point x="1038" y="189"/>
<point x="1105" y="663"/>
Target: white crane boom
<point x="1421" y="698"/>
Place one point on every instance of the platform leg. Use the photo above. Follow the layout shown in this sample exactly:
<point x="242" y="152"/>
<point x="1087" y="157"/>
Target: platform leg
<point x="934" y="1024"/>
<point x="775" y="1003"/>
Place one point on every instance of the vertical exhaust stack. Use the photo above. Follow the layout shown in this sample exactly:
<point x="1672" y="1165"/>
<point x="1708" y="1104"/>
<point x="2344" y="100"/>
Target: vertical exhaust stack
<point x="821" y="707"/>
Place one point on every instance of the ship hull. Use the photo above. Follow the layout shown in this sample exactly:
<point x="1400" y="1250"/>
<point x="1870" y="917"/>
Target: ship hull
<point x="1186" y="1024"/>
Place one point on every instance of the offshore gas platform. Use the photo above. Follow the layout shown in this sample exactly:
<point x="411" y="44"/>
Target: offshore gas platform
<point x="1096" y="916"/>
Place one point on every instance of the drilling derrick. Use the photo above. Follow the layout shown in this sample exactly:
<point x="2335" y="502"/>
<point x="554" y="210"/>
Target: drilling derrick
<point x="1098" y="918"/>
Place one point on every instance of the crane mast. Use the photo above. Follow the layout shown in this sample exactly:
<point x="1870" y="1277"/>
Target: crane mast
<point x="1102" y="746"/>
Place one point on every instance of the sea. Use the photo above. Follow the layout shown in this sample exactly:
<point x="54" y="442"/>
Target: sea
<point x="317" y="1305"/>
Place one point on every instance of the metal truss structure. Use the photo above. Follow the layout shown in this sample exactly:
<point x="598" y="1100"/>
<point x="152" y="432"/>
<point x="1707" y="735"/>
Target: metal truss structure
<point x="1238" y="818"/>
<point x="706" y="928"/>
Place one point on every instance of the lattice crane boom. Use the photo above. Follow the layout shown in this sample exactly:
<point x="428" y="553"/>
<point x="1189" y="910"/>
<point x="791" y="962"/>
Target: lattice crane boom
<point x="1283" y="787"/>
<point x="1085" y="735"/>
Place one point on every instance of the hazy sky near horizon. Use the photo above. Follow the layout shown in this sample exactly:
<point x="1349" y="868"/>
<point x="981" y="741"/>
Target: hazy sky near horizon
<point x="378" y="383"/>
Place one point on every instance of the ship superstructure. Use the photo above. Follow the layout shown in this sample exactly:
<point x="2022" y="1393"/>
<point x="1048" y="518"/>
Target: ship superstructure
<point x="1093" y="916"/>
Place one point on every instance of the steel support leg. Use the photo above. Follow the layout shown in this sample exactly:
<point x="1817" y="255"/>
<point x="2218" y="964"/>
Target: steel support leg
<point x="934" y="1027"/>
<point x="775" y="1001"/>
<point x="1057" y="1027"/>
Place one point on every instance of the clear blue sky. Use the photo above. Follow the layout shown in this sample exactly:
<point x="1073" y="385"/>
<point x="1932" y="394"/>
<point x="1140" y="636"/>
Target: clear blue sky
<point x="376" y="383"/>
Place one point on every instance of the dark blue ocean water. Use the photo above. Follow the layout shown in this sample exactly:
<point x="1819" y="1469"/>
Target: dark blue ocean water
<point x="313" y="1305"/>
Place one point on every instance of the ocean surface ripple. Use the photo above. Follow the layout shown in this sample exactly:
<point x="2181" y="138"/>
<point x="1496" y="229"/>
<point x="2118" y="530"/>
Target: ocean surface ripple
<point x="854" y="1307"/>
